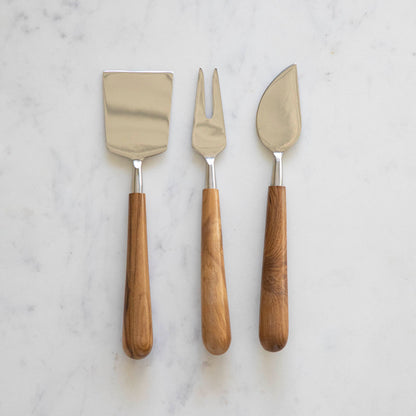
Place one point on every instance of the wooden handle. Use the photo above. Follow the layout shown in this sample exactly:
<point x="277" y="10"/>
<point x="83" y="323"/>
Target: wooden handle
<point x="216" y="332"/>
<point x="274" y="322"/>
<point x="137" y="323"/>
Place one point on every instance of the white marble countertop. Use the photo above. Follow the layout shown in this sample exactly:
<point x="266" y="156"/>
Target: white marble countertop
<point x="350" y="193"/>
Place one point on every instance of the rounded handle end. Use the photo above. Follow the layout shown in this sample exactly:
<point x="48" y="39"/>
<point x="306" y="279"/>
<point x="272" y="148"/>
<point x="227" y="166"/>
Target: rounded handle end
<point x="217" y="343"/>
<point x="137" y="348"/>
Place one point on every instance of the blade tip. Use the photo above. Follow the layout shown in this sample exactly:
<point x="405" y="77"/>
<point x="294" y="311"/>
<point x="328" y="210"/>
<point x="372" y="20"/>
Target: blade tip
<point x="293" y="67"/>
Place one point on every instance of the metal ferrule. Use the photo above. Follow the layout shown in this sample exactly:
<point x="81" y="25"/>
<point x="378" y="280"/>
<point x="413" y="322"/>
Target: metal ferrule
<point x="278" y="169"/>
<point x="210" y="173"/>
<point x="137" y="182"/>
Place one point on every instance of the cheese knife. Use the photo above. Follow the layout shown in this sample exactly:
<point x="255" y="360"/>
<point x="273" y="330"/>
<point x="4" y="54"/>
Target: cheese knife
<point x="278" y="127"/>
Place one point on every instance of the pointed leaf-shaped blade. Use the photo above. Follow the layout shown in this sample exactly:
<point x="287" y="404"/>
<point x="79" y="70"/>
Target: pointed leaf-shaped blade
<point x="278" y="115"/>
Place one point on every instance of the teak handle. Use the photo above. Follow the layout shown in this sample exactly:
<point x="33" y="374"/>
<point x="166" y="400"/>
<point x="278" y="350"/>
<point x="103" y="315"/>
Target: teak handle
<point x="137" y="322"/>
<point x="274" y="322"/>
<point x="216" y="332"/>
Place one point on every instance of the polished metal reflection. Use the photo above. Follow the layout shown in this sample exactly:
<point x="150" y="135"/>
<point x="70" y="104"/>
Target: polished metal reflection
<point x="208" y="134"/>
<point x="210" y="174"/>
<point x="278" y="169"/>
<point x="278" y="117"/>
<point x="137" y="113"/>
<point x="137" y="182"/>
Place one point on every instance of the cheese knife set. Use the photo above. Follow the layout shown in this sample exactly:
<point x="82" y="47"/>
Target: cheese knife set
<point x="137" y="108"/>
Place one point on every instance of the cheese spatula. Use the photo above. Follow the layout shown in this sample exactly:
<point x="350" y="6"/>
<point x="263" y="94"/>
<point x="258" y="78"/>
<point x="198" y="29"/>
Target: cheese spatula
<point x="278" y="127"/>
<point x="137" y="111"/>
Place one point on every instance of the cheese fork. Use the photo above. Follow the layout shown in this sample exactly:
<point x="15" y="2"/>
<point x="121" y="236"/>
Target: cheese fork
<point x="208" y="139"/>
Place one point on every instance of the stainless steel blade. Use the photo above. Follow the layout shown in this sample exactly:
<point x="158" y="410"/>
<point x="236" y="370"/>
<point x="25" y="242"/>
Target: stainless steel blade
<point x="137" y="112"/>
<point x="278" y="114"/>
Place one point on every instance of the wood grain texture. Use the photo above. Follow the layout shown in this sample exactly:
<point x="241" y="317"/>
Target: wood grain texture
<point x="137" y="322"/>
<point x="274" y="321"/>
<point x="216" y="332"/>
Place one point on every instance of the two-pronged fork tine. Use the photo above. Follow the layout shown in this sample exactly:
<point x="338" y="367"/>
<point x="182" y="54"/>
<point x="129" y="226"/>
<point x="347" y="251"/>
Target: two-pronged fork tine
<point x="208" y="135"/>
<point x="217" y="118"/>
<point x="208" y="139"/>
<point x="217" y="112"/>
<point x="200" y="113"/>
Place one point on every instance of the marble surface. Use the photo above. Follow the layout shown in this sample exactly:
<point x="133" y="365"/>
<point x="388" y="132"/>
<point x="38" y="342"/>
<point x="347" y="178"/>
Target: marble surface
<point x="351" y="209"/>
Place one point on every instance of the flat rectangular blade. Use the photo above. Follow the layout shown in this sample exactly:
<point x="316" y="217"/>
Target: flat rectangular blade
<point x="137" y="112"/>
